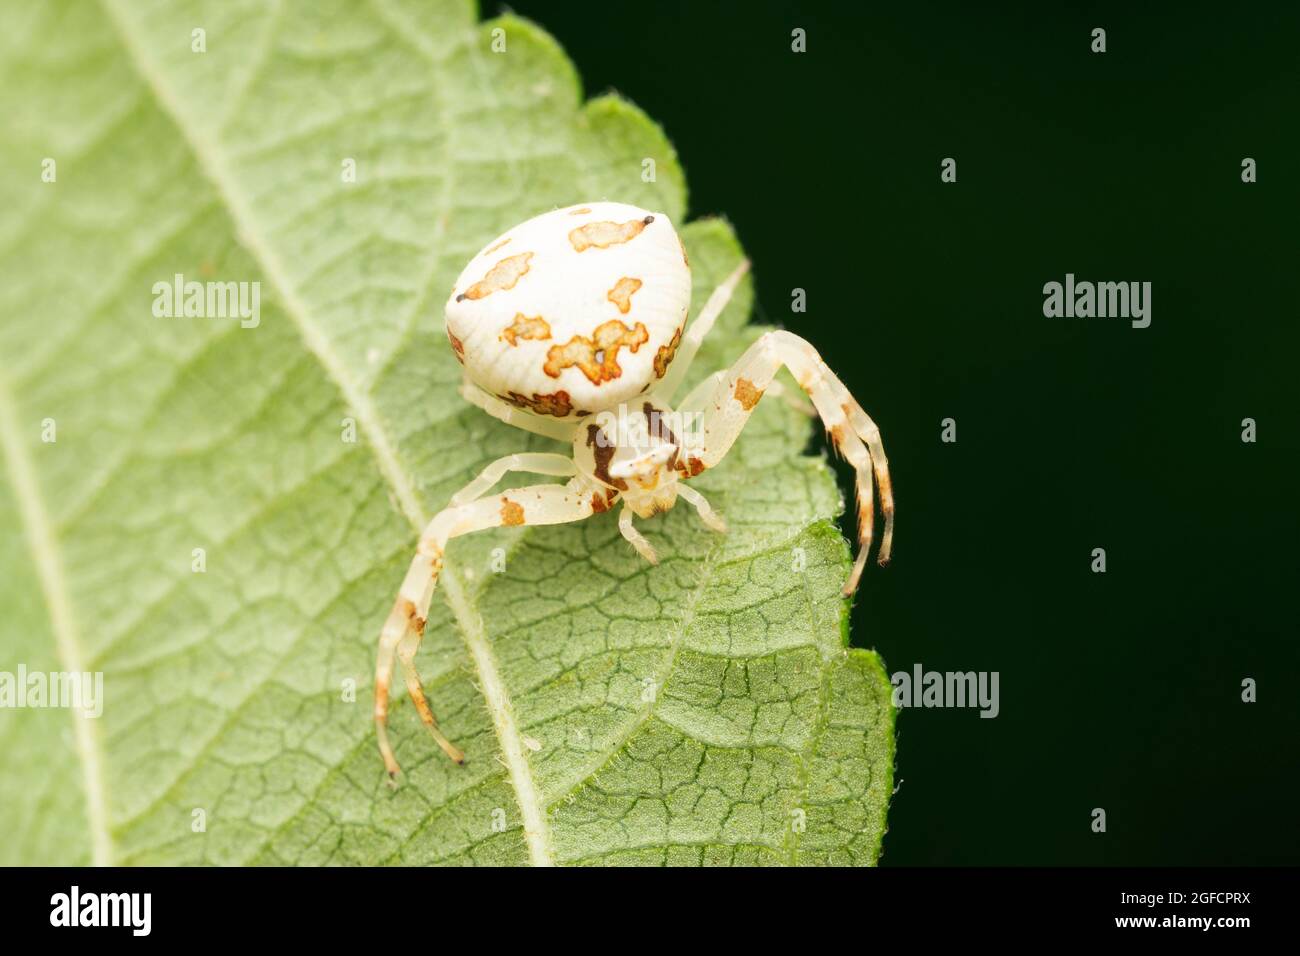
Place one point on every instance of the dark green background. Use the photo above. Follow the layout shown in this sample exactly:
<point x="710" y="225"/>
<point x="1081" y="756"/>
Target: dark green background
<point x="1120" y="690"/>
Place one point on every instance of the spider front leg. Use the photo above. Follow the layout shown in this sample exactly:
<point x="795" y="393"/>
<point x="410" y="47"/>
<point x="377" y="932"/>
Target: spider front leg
<point x="700" y="394"/>
<point x="698" y="330"/>
<point x="634" y="537"/>
<point x="404" y="627"/>
<point x="710" y="517"/>
<point x="731" y="398"/>
<point x="535" y="462"/>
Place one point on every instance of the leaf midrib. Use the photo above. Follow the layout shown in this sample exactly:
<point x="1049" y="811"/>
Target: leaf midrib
<point x="358" y="400"/>
<point x="67" y="640"/>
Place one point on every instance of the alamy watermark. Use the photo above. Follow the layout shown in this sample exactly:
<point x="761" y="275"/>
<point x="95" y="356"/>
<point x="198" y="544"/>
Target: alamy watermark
<point x="208" y="300"/>
<point x="73" y="690"/>
<point x="646" y="427"/>
<point x="75" y="908"/>
<point x="922" y="688"/>
<point x="1102" y="300"/>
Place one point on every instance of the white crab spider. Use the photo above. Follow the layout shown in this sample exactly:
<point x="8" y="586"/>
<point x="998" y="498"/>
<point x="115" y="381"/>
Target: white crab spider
<point x="565" y="322"/>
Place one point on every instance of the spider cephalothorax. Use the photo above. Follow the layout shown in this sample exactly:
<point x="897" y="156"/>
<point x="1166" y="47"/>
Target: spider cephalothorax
<point x="637" y="455"/>
<point x="572" y="325"/>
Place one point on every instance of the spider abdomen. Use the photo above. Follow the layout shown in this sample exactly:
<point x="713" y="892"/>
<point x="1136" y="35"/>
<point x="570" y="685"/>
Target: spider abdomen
<point x="574" y="311"/>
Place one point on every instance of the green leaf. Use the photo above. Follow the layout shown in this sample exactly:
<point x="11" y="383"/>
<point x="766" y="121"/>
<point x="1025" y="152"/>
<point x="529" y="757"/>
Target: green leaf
<point x="765" y="740"/>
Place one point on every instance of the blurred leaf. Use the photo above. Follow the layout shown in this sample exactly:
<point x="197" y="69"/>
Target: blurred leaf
<point x="704" y="711"/>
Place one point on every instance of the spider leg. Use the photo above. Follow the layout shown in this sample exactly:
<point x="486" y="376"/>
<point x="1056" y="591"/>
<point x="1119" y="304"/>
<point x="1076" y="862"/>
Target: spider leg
<point x="699" y="395"/>
<point x="404" y="627"/>
<point x="795" y="400"/>
<point x="702" y="392"/>
<point x="515" y="416"/>
<point x="406" y="648"/>
<point x="537" y="462"/>
<point x="734" y="394"/>
<point x="707" y="514"/>
<point x="635" y="537"/>
<point x="695" y="333"/>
